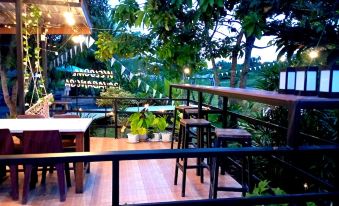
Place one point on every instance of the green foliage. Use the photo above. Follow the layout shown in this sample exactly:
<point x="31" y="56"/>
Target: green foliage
<point x="140" y="122"/>
<point x="160" y="124"/>
<point x="124" y="45"/>
<point x="115" y="92"/>
<point x="126" y="12"/>
<point x="269" y="77"/>
<point x="263" y="189"/>
<point x="253" y="24"/>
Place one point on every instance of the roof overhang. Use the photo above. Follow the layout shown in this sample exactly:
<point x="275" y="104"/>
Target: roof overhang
<point x="53" y="21"/>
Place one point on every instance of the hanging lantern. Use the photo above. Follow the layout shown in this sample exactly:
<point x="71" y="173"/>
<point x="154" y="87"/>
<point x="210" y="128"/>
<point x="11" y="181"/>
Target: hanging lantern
<point x="306" y="81"/>
<point x="287" y="81"/>
<point x="329" y="82"/>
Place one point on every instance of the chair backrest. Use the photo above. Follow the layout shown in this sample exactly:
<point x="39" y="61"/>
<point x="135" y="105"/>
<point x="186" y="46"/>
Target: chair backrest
<point x="66" y="116"/>
<point x="46" y="141"/>
<point x="29" y="116"/>
<point x="6" y="142"/>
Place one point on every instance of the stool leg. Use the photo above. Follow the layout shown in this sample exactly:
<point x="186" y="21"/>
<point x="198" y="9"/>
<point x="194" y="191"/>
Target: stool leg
<point x="185" y="145"/>
<point x="177" y="159"/>
<point x="173" y="129"/>
<point x="214" y="178"/>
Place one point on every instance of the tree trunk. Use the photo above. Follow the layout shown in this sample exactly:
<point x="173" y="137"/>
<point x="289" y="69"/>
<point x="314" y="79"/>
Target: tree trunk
<point x="248" y="52"/>
<point x="235" y="53"/>
<point x="9" y="100"/>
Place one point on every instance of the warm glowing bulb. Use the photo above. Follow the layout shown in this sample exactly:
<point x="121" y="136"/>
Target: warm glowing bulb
<point x="69" y="18"/>
<point x="187" y="70"/>
<point x="282" y="59"/>
<point x="313" y="54"/>
<point x="78" y="39"/>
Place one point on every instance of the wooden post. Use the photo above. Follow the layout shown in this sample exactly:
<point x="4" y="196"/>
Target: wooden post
<point x="224" y="112"/>
<point x="293" y="125"/>
<point x="44" y="61"/>
<point x="19" y="57"/>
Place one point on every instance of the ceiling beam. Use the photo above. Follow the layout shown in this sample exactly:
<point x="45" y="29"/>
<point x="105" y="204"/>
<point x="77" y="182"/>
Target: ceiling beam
<point x="84" y="30"/>
<point x="46" y="2"/>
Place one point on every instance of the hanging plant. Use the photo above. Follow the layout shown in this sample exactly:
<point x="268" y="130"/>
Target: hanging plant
<point x="31" y="47"/>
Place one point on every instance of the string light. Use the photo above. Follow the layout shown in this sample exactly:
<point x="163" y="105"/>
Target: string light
<point x="78" y="39"/>
<point x="313" y="54"/>
<point x="187" y="70"/>
<point x="69" y="18"/>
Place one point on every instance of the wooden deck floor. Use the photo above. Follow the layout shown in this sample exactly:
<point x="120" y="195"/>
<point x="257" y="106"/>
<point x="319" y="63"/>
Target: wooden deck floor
<point x="140" y="181"/>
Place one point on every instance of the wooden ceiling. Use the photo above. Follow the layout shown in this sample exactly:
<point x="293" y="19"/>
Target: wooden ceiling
<point x="53" y="20"/>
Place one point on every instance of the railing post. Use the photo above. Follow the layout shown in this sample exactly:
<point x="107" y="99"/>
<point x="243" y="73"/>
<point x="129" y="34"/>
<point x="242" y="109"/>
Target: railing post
<point x="115" y="183"/>
<point x="224" y="112"/>
<point x="188" y="97"/>
<point x="199" y="104"/>
<point x="170" y="94"/>
<point x="115" y="119"/>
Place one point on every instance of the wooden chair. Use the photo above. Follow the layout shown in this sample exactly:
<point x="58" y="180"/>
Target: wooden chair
<point x="6" y="148"/>
<point x="43" y="142"/>
<point x="68" y="142"/>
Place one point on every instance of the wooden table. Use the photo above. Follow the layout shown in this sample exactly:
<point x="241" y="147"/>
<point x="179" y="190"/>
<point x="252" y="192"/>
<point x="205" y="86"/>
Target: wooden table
<point x="67" y="126"/>
<point x="293" y="103"/>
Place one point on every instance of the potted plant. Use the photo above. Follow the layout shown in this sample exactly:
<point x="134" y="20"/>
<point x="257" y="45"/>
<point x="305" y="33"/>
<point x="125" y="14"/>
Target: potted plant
<point x="157" y="129"/>
<point x="140" y="122"/>
<point x="162" y="125"/>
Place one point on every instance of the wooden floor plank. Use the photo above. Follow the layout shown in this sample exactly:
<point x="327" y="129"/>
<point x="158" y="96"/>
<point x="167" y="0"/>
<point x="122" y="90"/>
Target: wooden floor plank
<point x="140" y="181"/>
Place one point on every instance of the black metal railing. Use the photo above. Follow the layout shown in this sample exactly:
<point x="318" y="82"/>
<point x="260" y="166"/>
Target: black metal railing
<point x="329" y="192"/>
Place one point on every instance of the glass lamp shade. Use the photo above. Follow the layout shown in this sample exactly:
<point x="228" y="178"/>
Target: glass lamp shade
<point x="282" y="81"/>
<point x="287" y="80"/>
<point x="306" y="81"/>
<point x="329" y="82"/>
<point x="290" y="80"/>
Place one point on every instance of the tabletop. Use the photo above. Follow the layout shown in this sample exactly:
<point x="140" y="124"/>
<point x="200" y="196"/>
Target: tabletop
<point x="61" y="124"/>
<point x="268" y="97"/>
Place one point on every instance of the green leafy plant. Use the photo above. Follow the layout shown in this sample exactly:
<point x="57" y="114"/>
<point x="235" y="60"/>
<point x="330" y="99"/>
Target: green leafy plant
<point x="160" y="124"/>
<point x="140" y="122"/>
<point x="262" y="188"/>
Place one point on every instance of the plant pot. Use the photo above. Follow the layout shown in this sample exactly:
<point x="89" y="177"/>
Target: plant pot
<point x="166" y="136"/>
<point x="143" y="137"/>
<point x="133" y="138"/>
<point x="156" y="137"/>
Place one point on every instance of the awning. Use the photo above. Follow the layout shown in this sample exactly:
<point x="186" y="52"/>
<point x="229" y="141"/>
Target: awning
<point x="52" y="15"/>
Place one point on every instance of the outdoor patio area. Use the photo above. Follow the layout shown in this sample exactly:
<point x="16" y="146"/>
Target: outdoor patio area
<point x="140" y="181"/>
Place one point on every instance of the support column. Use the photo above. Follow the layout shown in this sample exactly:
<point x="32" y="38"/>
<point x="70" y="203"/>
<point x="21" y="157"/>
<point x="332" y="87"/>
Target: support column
<point x="19" y="57"/>
<point x="44" y="62"/>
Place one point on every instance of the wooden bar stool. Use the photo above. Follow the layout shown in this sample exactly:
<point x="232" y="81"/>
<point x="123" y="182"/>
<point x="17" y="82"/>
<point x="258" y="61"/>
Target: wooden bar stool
<point x="182" y="110"/>
<point x="183" y="143"/>
<point x="223" y="136"/>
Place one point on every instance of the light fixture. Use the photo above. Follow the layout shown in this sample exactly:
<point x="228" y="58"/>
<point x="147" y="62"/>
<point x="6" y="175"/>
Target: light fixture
<point x="187" y="70"/>
<point x="287" y="80"/>
<point x="306" y="81"/>
<point x="69" y="18"/>
<point x="329" y="82"/>
<point x="313" y="54"/>
<point x="282" y="59"/>
<point x="43" y="37"/>
<point x="78" y="39"/>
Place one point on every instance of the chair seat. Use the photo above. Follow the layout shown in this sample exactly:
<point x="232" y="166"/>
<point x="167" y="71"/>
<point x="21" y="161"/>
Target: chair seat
<point x="68" y="143"/>
<point x="194" y="122"/>
<point x="232" y="133"/>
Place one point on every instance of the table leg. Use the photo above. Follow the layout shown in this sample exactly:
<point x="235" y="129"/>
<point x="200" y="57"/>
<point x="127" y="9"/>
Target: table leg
<point x="87" y="148"/>
<point x="79" y="166"/>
